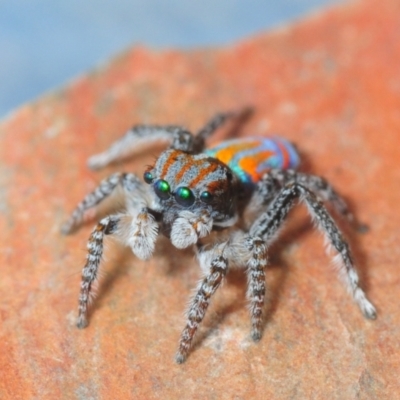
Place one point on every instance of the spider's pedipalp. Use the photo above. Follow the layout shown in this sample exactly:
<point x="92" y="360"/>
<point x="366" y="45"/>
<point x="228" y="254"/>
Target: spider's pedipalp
<point x="189" y="227"/>
<point x="139" y="232"/>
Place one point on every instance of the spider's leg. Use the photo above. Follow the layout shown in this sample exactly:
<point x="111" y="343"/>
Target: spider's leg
<point x="210" y="127"/>
<point x="320" y="187"/>
<point x="256" y="284"/>
<point x="108" y="188"/>
<point x="189" y="227"/>
<point x="214" y="123"/>
<point x="106" y="226"/>
<point x="136" y="231"/>
<point x="266" y="190"/>
<point x="142" y="135"/>
<point x="267" y="225"/>
<point x="199" y="305"/>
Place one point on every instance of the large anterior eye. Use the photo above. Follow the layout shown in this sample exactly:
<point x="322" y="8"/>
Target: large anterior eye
<point x="162" y="189"/>
<point x="184" y="196"/>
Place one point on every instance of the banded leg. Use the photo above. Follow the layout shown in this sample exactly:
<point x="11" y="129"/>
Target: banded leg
<point x="200" y="304"/>
<point x="142" y="135"/>
<point x="267" y="225"/>
<point x="256" y="284"/>
<point x="85" y="211"/>
<point x="320" y="187"/>
<point x="139" y="232"/>
<point x="106" y="226"/>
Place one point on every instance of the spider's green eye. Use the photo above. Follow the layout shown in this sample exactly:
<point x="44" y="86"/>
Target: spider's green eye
<point x="206" y="197"/>
<point x="184" y="196"/>
<point x="148" y="177"/>
<point x="162" y="189"/>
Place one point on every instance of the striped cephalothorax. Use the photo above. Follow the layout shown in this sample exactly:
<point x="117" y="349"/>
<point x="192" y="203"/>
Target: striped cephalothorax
<point x="241" y="190"/>
<point x="195" y="183"/>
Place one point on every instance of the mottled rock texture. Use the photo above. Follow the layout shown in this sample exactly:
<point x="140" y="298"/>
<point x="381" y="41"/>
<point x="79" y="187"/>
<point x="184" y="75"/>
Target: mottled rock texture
<point x="331" y="84"/>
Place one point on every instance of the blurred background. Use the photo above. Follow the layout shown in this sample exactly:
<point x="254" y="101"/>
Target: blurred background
<point x="44" y="43"/>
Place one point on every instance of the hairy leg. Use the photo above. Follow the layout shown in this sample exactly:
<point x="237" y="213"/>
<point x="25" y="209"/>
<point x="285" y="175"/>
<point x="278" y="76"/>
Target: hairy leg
<point x="199" y="305"/>
<point x="86" y="209"/>
<point x="321" y="188"/>
<point x="143" y="135"/>
<point x="214" y="123"/>
<point x="139" y="136"/>
<point x="268" y="224"/>
<point x="139" y="232"/>
<point x="106" y="226"/>
<point x="189" y="227"/>
<point x="256" y="284"/>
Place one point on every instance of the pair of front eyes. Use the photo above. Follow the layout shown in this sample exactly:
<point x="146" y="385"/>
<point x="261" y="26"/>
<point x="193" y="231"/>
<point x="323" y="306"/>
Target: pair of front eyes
<point x="183" y="195"/>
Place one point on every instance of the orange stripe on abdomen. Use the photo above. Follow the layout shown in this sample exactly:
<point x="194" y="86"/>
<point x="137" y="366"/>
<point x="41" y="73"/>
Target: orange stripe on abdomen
<point x="227" y="153"/>
<point x="250" y="164"/>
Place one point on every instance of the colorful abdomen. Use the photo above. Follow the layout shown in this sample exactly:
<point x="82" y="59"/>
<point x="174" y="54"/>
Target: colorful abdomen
<point x="250" y="158"/>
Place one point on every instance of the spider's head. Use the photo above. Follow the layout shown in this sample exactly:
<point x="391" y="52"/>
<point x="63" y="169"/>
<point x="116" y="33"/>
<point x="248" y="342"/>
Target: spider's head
<point x="192" y="182"/>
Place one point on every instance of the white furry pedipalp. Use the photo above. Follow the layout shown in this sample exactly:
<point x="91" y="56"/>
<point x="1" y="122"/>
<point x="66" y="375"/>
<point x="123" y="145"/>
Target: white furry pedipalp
<point x="189" y="227"/>
<point x="142" y="235"/>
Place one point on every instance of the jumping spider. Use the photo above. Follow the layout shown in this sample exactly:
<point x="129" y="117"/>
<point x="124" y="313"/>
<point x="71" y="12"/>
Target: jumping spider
<point x="237" y="195"/>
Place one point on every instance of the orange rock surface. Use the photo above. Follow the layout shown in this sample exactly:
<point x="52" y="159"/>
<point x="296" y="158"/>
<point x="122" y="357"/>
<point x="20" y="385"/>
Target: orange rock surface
<point x="331" y="84"/>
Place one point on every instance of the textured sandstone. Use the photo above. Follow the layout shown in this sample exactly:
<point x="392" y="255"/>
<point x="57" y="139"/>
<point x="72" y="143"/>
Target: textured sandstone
<point x="331" y="84"/>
